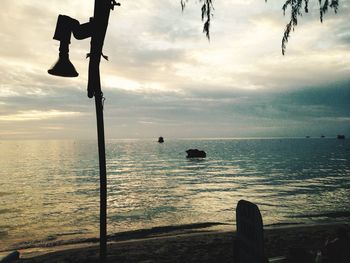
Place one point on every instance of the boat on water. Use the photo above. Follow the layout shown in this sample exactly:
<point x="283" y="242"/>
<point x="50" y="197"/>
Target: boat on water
<point x="160" y="139"/>
<point x="340" y="136"/>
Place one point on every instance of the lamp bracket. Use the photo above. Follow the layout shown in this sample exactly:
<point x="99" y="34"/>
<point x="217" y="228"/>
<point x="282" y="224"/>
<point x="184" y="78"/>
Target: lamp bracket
<point x="114" y="3"/>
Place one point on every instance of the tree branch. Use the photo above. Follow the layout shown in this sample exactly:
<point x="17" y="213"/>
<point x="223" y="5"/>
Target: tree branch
<point x="296" y="11"/>
<point x="206" y="14"/>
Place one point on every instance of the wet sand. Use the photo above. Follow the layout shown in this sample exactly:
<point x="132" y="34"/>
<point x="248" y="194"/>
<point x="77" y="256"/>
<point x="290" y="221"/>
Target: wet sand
<point x="199" y="246"/>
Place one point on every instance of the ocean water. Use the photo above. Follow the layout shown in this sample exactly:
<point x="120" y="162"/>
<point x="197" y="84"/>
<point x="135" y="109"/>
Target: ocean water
<point x="49" y="190"/>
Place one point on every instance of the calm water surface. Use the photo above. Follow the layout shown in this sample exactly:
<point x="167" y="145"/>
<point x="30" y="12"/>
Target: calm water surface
<point x="50" y="189"/>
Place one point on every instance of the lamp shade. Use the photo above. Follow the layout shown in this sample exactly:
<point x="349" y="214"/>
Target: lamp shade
<point x="63" y="68"/>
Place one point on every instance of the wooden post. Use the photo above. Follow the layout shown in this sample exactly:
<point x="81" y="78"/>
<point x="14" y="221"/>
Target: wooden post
<point x="103" y="178"/>
<point x="99" y="27"/>
<point x="97" y="30"/>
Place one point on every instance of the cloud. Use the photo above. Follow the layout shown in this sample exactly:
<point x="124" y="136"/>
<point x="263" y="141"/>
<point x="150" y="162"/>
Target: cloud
<point x="164" y="76"/>
<point x="37" y="115"/>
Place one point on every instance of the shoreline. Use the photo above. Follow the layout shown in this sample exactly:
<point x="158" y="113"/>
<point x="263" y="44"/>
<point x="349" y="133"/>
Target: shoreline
<point x="156" y="231"/>
<point x="193" y="245"/>
<point x="56" y="240"/>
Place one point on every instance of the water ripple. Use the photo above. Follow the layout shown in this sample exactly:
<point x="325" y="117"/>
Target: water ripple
<point x="54" y="186"/>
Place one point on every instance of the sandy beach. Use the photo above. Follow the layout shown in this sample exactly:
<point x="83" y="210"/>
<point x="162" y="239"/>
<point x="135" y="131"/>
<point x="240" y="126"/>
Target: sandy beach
<point x="198" y="246"/>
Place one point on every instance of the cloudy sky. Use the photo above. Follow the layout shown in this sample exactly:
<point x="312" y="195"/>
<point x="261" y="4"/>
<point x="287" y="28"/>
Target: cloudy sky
<point x="165" y="78"/>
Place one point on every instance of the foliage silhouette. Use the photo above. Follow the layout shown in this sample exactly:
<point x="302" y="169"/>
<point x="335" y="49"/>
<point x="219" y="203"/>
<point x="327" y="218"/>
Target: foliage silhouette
<point x="296" y="10"/>
<point x="296" y="7"/>
<point x="207" y="13"/>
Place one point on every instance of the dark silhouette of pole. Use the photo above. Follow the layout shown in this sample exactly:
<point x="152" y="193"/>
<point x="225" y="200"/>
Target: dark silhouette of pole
<point x="96" y="29"/>
<point x="103" y="178"/>
<point x="99" y="27"/>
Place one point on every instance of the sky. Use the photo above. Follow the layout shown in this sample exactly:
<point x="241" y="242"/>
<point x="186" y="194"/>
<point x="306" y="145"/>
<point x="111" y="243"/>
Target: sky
<point x="164" y="78"/>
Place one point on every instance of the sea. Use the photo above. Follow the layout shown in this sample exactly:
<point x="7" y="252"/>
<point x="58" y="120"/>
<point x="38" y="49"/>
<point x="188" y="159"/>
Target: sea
<point x="49" y="190"/>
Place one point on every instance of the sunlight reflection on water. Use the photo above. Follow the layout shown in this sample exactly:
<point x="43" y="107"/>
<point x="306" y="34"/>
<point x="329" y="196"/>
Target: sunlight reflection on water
<point x="50" y="188"/>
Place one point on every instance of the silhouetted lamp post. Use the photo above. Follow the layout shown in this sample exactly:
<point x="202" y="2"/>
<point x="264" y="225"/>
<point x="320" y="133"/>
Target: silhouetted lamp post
<point x="96" y="29"/>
